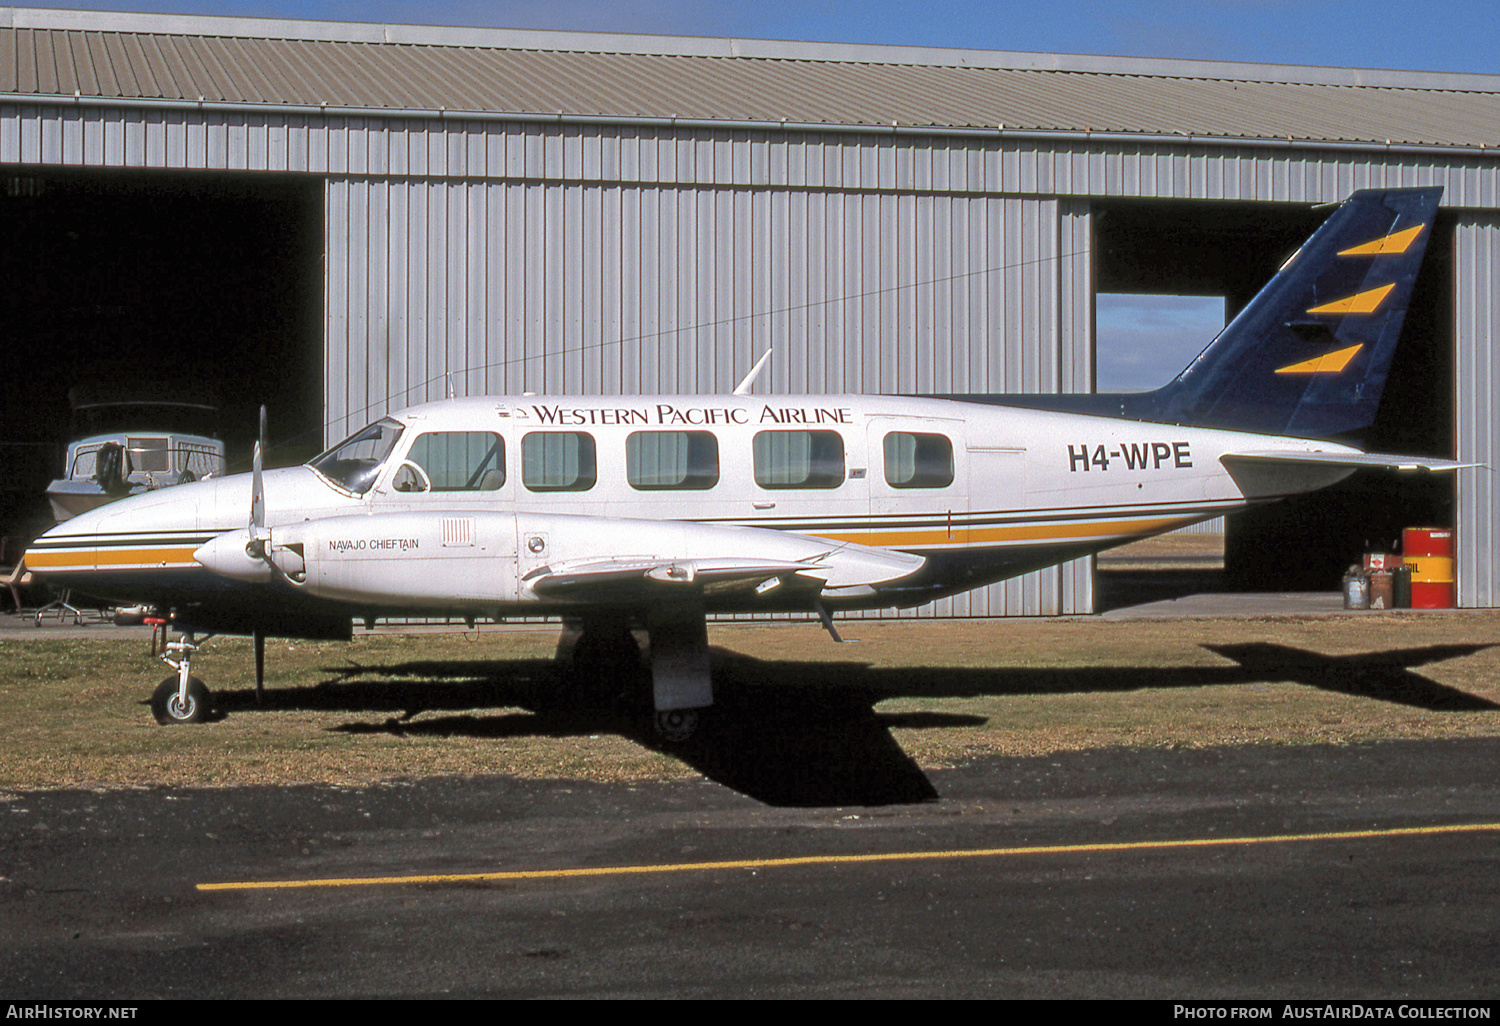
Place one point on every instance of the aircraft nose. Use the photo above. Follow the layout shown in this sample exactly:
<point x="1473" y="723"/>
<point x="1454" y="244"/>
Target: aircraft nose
<point x="154" y="530"/>
<point x="88" y="522"/>
<point x="167" y="509"/>
<point x="163" y="511"/>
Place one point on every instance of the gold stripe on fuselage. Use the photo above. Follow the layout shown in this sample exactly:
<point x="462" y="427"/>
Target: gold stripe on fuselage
<point x="1022" y="535"/>
<point x="111" y="558"/>
<point x="160" y="557"/>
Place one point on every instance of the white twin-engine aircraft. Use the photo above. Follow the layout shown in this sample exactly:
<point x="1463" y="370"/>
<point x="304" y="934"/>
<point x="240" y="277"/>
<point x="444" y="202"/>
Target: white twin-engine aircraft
<point x="622" y="513"/>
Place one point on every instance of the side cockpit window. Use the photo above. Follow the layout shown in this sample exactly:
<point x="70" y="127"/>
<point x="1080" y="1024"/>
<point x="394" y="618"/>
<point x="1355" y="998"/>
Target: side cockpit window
<point x="355" y="462"/>
<point x="453" y="461"/>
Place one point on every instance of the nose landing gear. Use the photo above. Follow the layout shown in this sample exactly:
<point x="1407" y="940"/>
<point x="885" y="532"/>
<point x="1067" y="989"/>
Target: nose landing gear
<point x="183" y="698"/>
<point x="170" y="704"/>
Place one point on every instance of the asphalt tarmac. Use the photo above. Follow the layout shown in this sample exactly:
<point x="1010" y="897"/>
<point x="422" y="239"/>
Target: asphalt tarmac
<point x="1366" y="871"/>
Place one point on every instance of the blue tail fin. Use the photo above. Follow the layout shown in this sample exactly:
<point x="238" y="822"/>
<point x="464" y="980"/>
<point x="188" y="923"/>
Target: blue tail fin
<point x="1310" y="354"/>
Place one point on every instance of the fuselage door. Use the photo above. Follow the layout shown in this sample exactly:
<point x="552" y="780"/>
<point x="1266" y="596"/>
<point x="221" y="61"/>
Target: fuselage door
<point x="918" y="481"/>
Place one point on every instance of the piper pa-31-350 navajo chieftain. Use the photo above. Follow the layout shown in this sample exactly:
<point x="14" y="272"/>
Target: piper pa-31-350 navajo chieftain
<point x="630" y="512"/>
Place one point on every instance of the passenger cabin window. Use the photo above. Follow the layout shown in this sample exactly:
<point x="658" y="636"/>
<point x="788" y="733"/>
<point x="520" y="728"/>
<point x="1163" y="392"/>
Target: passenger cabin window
<point x="663" y="460"/>
<point x="355" y="462"/>
<point x="918" y="461"/>
<point x="799" y="459"/>
<point x="453" y="461"/>
<point x="558" y="461"/>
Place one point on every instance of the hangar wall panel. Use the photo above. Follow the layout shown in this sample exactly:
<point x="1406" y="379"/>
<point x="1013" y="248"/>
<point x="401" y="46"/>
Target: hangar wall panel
<point x="343" y="145"/>
<point x="566" y="287"/>
<point x="1477" y="366"/>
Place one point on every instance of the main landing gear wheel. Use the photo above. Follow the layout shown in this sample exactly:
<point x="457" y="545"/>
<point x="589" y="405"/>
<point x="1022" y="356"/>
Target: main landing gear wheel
<point x="677" y="725"/>
<point x="169" y="707"/>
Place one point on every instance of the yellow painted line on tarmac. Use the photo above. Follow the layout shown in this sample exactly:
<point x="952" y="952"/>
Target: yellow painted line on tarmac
<point x="836" y="860"/>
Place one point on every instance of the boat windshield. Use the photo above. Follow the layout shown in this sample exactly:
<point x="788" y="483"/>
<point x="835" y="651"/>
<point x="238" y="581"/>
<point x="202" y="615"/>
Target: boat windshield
<point x="354" y="463"/>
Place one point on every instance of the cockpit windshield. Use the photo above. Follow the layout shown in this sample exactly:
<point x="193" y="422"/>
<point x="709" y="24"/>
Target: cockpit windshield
<point x="354" y="463"/>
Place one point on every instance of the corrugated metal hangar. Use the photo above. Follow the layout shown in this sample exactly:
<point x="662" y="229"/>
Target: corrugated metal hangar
<point x="340" y="219"/>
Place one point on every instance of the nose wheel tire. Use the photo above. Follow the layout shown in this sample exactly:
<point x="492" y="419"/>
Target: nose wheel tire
<point x="169" y="707"/>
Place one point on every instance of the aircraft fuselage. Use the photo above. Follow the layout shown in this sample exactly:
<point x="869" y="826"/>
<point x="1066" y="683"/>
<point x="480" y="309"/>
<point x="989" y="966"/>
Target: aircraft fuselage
<point x="475" y="503"/>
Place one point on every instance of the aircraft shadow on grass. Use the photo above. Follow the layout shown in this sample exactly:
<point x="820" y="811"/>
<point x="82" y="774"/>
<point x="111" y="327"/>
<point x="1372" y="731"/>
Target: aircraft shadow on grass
<point x="802" y="733"/>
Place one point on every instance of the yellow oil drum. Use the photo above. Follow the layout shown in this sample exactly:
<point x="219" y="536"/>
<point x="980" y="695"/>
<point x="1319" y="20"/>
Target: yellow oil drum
<point x="1428" y="551"/>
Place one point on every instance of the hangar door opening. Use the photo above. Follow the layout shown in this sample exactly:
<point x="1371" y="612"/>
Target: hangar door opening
<point x="1231" y="250"/>
<point x="199" y="283"/>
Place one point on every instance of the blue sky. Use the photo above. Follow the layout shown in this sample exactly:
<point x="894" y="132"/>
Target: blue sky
<point x="1142" y="341"/>
<point x="1438" y="35"/>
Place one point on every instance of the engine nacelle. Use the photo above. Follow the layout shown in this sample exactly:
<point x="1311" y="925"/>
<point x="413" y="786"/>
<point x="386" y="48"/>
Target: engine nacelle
<point x="438" y="559"/>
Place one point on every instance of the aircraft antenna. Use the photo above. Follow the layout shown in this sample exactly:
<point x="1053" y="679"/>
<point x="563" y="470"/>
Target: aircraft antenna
<point x="743" y="388"/>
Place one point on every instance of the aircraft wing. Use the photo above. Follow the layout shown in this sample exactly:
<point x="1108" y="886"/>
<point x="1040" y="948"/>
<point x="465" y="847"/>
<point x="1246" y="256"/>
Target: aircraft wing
<point x="806" y="564"/>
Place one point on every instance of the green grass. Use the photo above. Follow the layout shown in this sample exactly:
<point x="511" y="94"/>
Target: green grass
<point x="74" y="713"/>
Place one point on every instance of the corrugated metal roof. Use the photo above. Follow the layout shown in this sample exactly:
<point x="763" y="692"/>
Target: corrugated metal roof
<point x="723" y="84"/>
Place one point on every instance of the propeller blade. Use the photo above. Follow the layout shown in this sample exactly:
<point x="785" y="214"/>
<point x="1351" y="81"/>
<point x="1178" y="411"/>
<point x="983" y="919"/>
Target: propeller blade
<point x="258" y="490"/>
<point x="257" y="496"/>
<point x="255" y="547"/>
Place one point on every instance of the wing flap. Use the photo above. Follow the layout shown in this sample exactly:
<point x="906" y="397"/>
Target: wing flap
<point x="630" y="579"/>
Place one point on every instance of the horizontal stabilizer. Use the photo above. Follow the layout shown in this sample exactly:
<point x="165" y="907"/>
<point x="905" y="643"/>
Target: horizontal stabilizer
<point x="1350" y="460"/>
<point x="1278" y="472"/>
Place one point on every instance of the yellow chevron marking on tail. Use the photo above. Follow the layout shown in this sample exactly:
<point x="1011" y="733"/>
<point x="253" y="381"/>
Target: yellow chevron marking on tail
<point x="1365" y="302"/>
<point x="1391" y="244"/>
<point x="1328" y="363"/>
